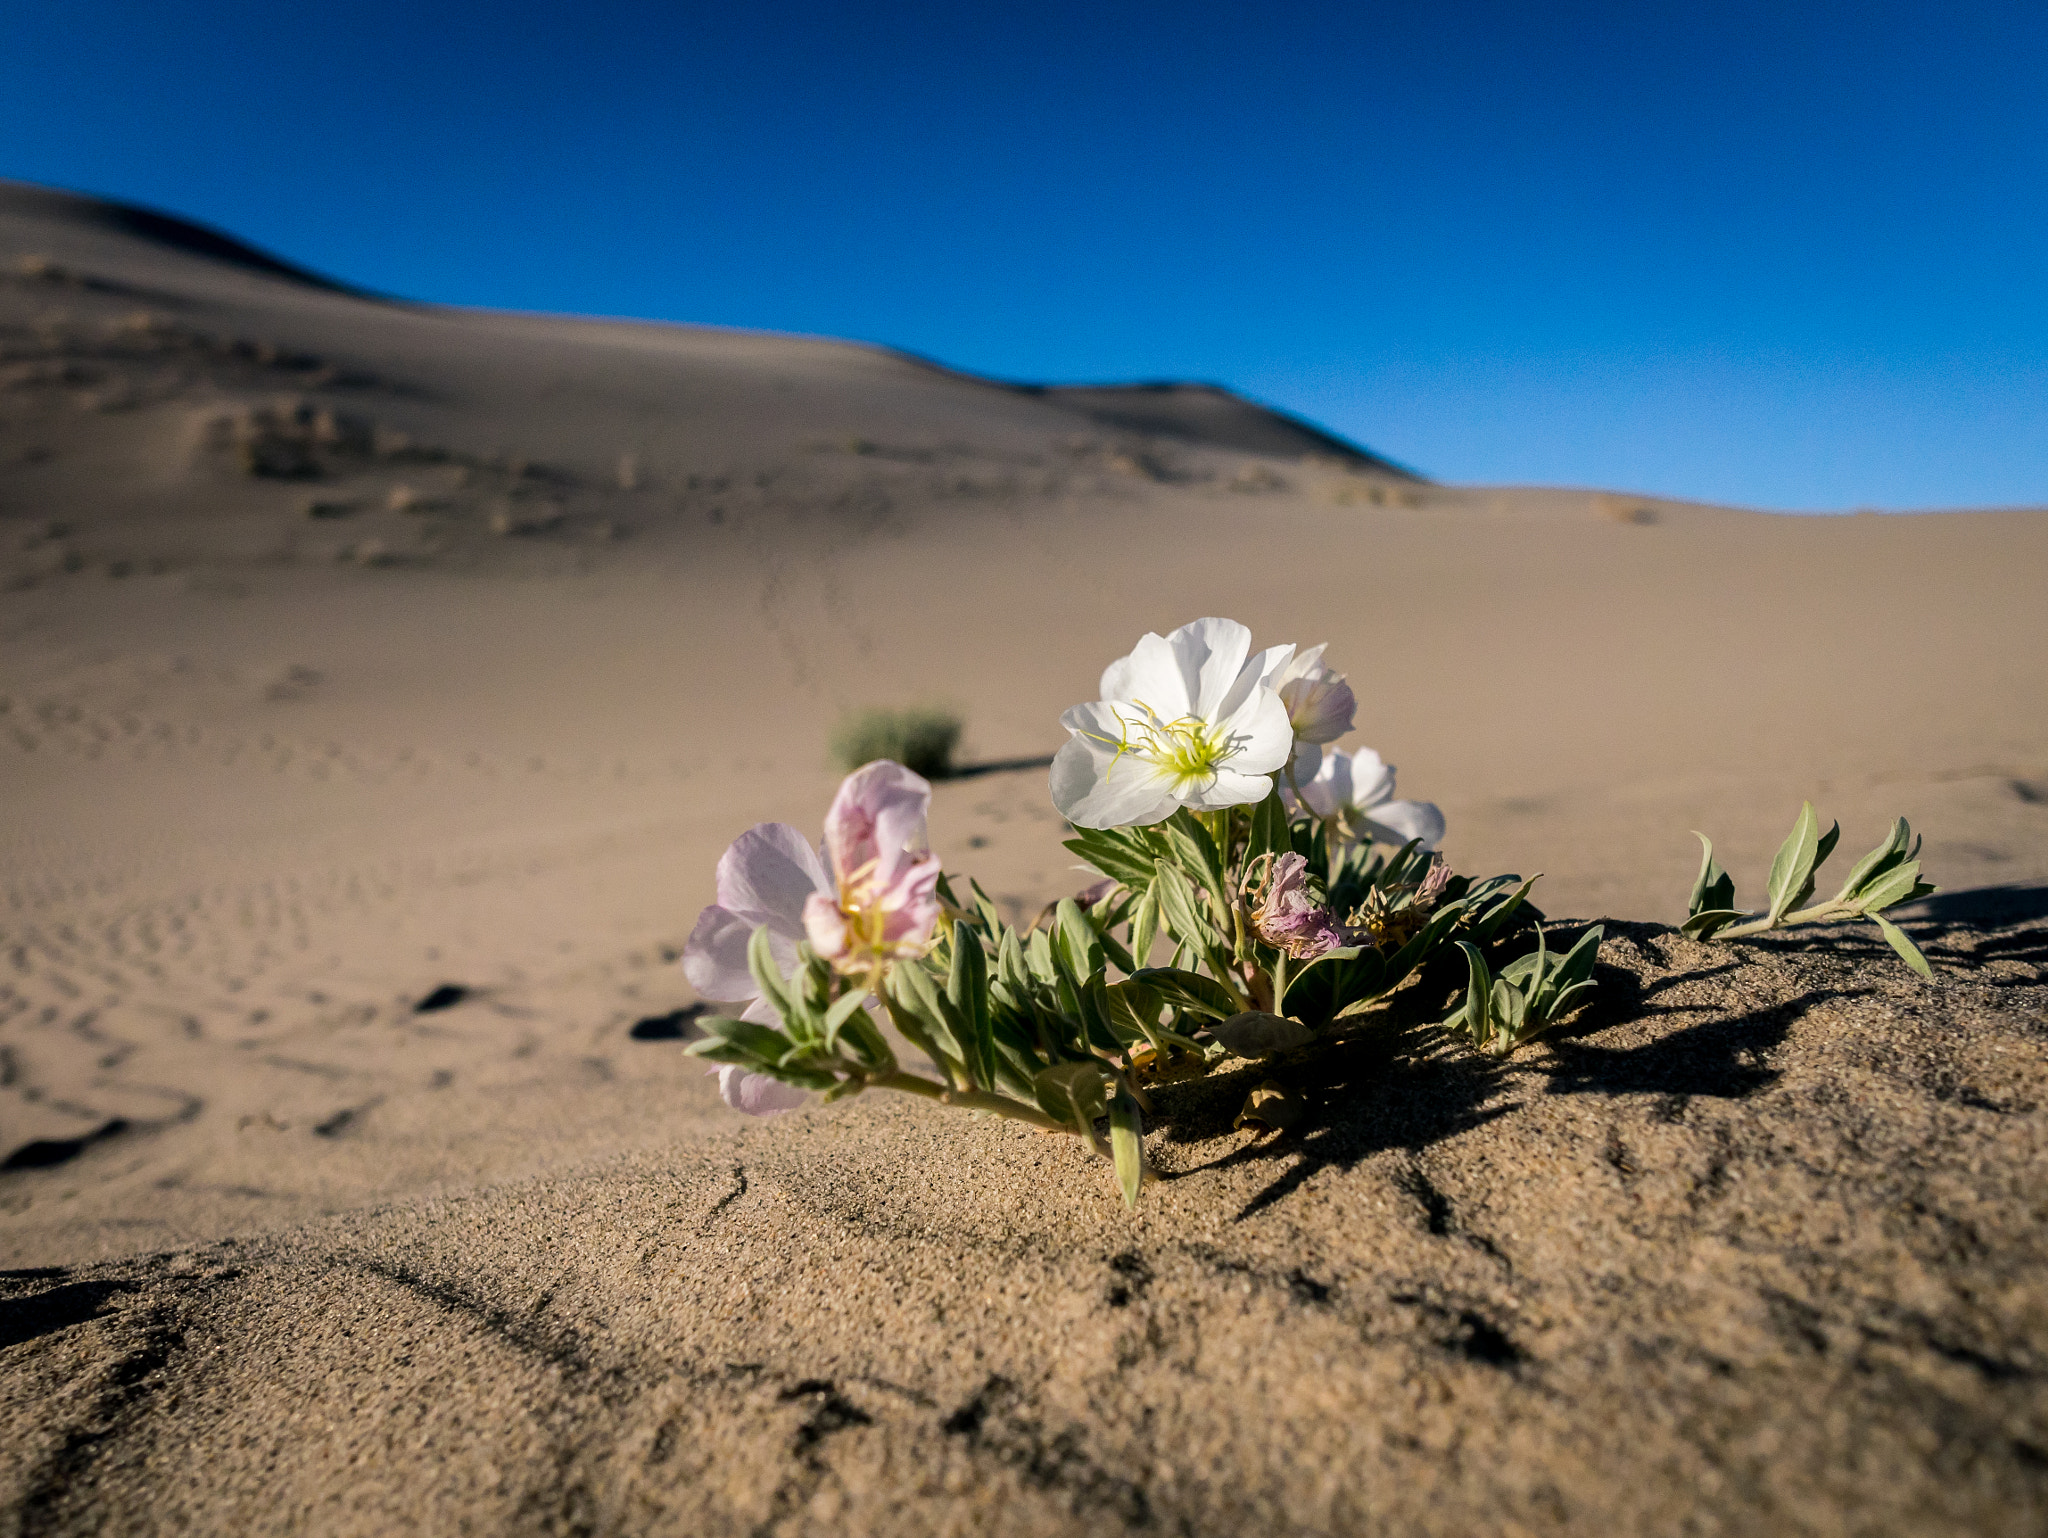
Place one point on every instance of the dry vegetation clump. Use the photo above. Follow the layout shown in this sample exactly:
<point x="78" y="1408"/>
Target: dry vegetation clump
<point x="922" y="739"/>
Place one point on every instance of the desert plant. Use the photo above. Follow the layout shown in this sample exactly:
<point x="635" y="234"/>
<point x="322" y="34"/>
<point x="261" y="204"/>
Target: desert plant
<point x="1888" y="875"/>
<point x="1533" y="993"/>
<point x="921" y="739"/>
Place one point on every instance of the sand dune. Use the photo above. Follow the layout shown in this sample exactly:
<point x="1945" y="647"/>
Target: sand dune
<point x="351" y="648"/>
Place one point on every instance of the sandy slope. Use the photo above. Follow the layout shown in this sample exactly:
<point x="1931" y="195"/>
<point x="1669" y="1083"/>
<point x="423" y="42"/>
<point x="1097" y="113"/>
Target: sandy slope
<point x="580" y="601"/>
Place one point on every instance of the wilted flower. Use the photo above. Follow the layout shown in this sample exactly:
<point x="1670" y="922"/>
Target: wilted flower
<point x="1190" y="719"/>
<point x="877" y="900"/>
<point x="887" y="903"/>
<point x="1320" y="706"/>
<point x="1392" y="916"/>
<point x="1357" y="790"/>
<point x="1287" y="917"/>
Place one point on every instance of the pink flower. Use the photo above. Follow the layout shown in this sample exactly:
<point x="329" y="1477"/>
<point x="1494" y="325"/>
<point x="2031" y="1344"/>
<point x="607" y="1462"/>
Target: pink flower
<point x="1288" y="918"/>
<point x="876" y="901"/>
<point x="886" y="904"/>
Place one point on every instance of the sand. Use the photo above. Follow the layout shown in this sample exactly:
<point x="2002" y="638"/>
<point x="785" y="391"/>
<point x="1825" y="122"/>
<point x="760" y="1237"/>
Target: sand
<point x="350" y="649"/>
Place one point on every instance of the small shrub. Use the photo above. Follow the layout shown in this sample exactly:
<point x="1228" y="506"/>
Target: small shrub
<point x="920" y="740"/>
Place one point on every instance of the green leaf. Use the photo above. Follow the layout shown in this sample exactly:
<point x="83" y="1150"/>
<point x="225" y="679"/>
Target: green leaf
<point x="1038" y="953"/>
<point x="1489" y="926"/>
<point x="1112" y="854"/>
<point x="1269" y="832"/>
<point x="1577" y="965"/>
<point x="1189" y="991"/>
<point x="1701" y="926"/>
<point x="1881" y="859"/>
<point x="1145" y="923"/>
<point x="1713" y="888"/>
<point x="843" y="1009"/>
<point x="1133" y="1009"/>
<point x="1127" y="1145"/>
<point x="1908" y="951"/>
<point x="767" y="975"/>
<point x="1195" y="850"/>
<point x="1894" y="886"/>
<point x="1332" y="983"/>
<point x="729" y="1040"/>
<point x="1257" y="1034"/>
<point x="1016" y="977"/>
<point x="991" y="920"/>
<point x="1792" y="870"/>
<point x="1076" y="937"/>
<point x="911" y="986"/>
<point x="1475" y="1017"/>
<point x="1177" y="903"/>
<point x="1072" y="1093"/>
<point x="967" y="992"/>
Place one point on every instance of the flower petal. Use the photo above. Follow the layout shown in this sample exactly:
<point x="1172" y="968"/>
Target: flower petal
<point x="1226" y="788"/>
<point x="1093" y="788"/>
<point x="756" y="1093"/>
<point x="1152" y="673"/>
<point x="715" y="957"/>
<point x="1261" y="737"/>
<point x="879" y="814"/>
<point x="1211" y="654"/>
<point x="1372" y="779"/>
<point x="766" y="875"/>
<point x="1396" y="822"/>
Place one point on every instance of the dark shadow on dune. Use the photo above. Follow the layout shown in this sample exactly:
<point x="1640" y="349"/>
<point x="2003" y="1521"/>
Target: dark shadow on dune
<point x="1381" y="1091"/>
<point x="997" y="766"/>
<point x="1716" y="1059"/>
<point x="44" y="1313"/>
<point x="46" y="1153"/>
<point x="676" y="1025"/>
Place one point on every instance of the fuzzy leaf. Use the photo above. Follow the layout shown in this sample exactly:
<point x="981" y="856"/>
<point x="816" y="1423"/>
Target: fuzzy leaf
<point x="1127" y="1145"/>
<point x="1072" y="1093"/>
<point x="768" y="976"/>
<point x="1792" y="869"/>
<point x="1112" y="854"/>
<point x="1189" y="991"/>
<point x="1256" y="1034"/>
<point x="1701" y="926"/>
<point x="1177" y="903"/>
<point x="1713" y="889"/>
<point x="843" y="1009"/>
<point x="1900" y="942"/>
<point x="1145" y="923"/>
<point x="1333" y="982"/>
<point x="1894" y="886"/>
<point x="727" y="1040"/>
<point x="1881" y="859"/>
<point x="967" y="993"/>
<point x="1489" y="926"/>
<point x="1475" y="1016"/>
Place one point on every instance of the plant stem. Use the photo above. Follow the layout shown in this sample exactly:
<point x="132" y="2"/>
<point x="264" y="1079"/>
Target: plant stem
<point x="1821" y="913"/>
<point x="971" y="1099"/>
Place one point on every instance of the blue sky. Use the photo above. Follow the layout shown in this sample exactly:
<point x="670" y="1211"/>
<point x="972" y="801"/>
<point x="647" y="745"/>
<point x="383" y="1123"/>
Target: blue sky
<point x="1780" y="255"/>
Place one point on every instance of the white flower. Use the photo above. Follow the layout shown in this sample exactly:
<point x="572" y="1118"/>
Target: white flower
<point x="1358" y="789"/>
<point x="1320" y="706"/>
<point x="1189" y="719"/>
